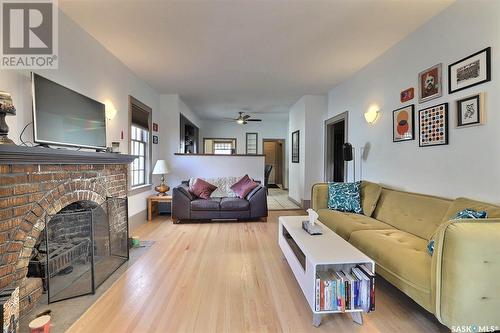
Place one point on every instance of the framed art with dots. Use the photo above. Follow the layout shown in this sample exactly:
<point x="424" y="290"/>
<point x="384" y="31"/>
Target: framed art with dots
<point x="433" y="125"/>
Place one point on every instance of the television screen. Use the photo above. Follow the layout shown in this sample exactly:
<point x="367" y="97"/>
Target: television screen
<point x="62" y="116"/>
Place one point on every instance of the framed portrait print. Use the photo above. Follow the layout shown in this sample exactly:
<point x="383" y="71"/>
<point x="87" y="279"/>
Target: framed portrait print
<point x="295" y="146"/>
<point x="155" y="140"/>
<point x="470" y="71"/>
<point x="430" y="83"/>
<point x="403" y="124"/>
<point x="470" y="111"/>
<point x="433" y="125"/>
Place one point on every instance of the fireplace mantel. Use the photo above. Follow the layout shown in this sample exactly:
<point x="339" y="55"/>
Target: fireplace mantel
<point x="39" y="155"/>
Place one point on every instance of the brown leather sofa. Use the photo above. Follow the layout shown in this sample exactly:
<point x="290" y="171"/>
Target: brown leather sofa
<point x="185" y="206"/>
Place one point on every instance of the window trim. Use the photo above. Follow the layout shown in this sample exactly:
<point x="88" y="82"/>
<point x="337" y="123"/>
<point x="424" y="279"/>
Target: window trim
<point x="221" y="139"/>
<point x="132" y="190"/>
<point x="247" y="135"/>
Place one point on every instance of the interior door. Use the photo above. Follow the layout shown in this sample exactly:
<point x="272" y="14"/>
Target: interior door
<point x="270" y="159"/>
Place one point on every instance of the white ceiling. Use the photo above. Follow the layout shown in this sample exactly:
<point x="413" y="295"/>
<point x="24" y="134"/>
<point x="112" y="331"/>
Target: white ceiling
<point x="220" y="56"/>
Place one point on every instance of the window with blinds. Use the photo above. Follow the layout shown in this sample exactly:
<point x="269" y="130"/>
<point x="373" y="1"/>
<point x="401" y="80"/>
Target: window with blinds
<point x="140" y="143"/>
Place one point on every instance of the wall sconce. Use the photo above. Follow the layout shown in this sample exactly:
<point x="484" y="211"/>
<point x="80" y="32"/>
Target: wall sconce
<point x="110" y="110"/>
<point x="372" y="114"/>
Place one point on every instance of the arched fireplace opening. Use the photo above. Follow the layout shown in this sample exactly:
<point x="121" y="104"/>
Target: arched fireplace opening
<point x="80" y="247"/>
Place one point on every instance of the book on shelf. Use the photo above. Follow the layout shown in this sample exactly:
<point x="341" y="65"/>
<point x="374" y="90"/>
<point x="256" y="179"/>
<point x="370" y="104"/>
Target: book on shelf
<point x="344" y="290"/>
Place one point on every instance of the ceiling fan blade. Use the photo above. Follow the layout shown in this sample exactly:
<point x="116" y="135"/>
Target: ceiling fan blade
<point x="246" y="116"/>
<point x="254" y="120"/>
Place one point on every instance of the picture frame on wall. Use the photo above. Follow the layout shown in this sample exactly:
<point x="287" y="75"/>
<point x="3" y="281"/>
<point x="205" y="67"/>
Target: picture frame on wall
<point x="407" y="95"/>
<point x="155" y="140"/>
<point x="403" y="124"/>
<point x="470" y="111"/>
<point x="430" y="83"/>
<point x="433" y="125"/>
<point x="295" y="146"/>
<point x="470" y="71"/>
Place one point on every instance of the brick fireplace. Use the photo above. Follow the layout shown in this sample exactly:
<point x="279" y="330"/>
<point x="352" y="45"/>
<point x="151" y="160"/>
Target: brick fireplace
<point x="37" y="182"/>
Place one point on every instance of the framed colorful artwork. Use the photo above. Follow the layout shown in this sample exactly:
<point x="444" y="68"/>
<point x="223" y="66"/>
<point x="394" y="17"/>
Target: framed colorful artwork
<point x="403" y="124"/>
<point x="407" y="95"/>
<point x="470" y="111"/>
<point x="470" y="71"/>
<point x="433" y="125"/>
<point x="295" y="147"/>
<point x="430" y="83"/>
<point x="155" y="127"/>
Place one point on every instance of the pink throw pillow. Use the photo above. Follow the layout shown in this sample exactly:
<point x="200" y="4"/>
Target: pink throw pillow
<point x="202" y="189"/>
<point x="244" y="186"/>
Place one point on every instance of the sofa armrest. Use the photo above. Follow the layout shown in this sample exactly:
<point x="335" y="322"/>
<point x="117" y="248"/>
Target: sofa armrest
<point x="319" y="196"/>
<point x="465" y="272"/>
<point x="181" y="202"/>
<point x="258" y="202"/>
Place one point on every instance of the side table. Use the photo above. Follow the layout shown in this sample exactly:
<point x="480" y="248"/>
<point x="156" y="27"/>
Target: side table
<point x="153" y="201"/>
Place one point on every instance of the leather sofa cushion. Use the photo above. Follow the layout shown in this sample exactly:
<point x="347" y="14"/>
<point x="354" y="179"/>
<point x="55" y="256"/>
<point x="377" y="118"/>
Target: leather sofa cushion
<point x="206" y="204"/>
<point x="234" y="204"/>
<point x="416" y="214"/>
<point x="345" y="223"/>
<point x="463" y="203"/>
<point x="370" y="193"/>
<point x="402" y="254"/>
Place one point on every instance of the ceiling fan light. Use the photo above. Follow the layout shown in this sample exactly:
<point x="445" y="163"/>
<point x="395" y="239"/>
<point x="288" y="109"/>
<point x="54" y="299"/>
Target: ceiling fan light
<point x="240" y="121"/>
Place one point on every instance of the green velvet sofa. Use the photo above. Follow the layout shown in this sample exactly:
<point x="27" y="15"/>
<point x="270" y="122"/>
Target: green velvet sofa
<point x="460" y="282"/>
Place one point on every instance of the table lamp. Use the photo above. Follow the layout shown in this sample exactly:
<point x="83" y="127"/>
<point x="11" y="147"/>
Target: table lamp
<point x="161" y="168"/>
<point x="6" y="108"/>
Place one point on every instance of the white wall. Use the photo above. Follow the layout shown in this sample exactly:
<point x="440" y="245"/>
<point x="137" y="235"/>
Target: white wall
<point x="188" y="166"/>
<point x="307" y="115"/>
<point x="470" y="164"/>
<point x="272" y="127"/>
<point x="87" y="67"/>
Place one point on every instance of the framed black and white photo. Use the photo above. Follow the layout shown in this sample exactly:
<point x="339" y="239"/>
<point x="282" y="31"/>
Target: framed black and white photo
<point x="470" y="71"/>
<point x="470" y="111"/>
<point x="295" y="146"/>
<point x="155" y="139"/>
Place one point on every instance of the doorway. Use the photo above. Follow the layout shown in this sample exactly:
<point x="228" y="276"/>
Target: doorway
<point x="274" y="153"/>
<point x="335" y="137"/>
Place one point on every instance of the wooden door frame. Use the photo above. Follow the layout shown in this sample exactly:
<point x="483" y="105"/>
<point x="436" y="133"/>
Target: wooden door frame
<point x="283" y="156"/>
<point x="328" y="151"/>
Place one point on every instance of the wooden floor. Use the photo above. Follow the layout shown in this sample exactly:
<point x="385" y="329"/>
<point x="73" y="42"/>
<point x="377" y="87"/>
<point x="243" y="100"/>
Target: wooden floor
<point x="228" y="277"/>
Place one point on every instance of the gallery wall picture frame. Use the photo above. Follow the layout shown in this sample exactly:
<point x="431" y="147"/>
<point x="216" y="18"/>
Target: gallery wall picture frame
<point x="470" y="111"/>
<point x="155" y="127"/>
<point x="433" y="125"/>
<point x="430" y="83"/>
<point x="296" y="147"/>
<point x="470" y="71"/>
<point x="403" y="124"/>
<point x="155" y="139"/>
<point x="407" y="95"/>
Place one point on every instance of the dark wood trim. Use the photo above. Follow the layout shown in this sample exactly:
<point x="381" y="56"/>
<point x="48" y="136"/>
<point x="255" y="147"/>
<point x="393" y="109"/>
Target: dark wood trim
<point x="233" y="155"/>
<point x="10" y="154"/>
<point x="344" y="116"/>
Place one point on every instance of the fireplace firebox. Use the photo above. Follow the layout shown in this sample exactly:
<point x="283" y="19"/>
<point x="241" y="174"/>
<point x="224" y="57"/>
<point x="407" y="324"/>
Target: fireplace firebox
<point x="81" y="246"/>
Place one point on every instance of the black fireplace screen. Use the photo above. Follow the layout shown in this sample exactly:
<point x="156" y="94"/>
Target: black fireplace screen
<point x="82" y="246"/>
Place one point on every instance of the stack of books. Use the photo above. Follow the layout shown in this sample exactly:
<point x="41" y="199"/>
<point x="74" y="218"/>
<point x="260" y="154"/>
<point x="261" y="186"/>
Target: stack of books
<point x="345" y="290"/>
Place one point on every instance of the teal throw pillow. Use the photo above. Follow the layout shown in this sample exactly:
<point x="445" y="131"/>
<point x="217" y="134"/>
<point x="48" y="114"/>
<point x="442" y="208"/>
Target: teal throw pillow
<point x="345" y="197"/>
<point x="463" y="214"/>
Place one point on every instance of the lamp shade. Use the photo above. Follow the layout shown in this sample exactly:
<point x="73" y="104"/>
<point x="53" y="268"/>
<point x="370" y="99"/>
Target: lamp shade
<point x="160" y="168"/>
<point x="347" y="151"/>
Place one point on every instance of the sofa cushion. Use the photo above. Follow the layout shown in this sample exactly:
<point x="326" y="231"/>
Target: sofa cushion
<point x="234" y="204"/>
<point x="345" y="223"/>
<point x="243" y="186"/>
<point x="463" y="203"/>
<point x="206" y="204"/>
<point x="417" y="214"/>
<point x="370" y="193"/>
<point x="402" y="256"/>
<point x="345" y="197"/>
<point x="223" y="186"/>
<point x="201" y="188"/>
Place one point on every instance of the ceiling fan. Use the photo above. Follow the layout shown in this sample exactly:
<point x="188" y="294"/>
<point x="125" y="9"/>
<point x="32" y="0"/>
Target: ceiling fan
<point x="243" y="118"/>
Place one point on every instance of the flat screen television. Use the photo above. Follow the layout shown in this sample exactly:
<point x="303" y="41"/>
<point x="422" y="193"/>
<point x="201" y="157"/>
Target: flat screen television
<point x="64" y="117"/>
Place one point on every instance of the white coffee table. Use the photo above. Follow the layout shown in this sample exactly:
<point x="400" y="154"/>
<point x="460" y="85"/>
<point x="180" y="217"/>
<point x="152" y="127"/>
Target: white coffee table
<point x="308" y="254"/>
